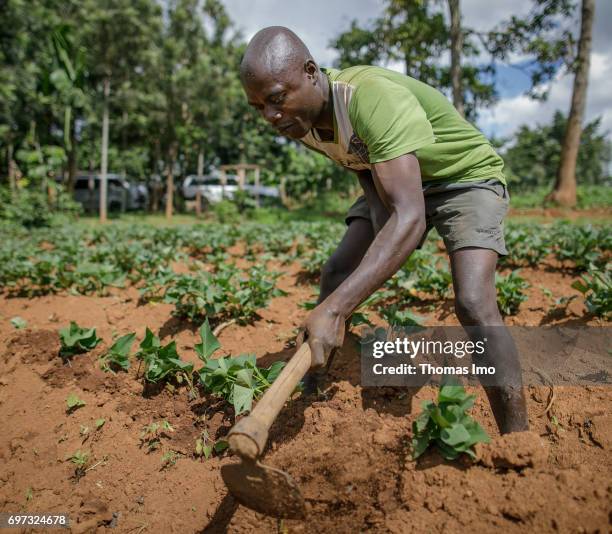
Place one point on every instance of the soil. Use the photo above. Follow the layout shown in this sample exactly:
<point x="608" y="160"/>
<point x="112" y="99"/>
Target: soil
<point x="348" y="448"/>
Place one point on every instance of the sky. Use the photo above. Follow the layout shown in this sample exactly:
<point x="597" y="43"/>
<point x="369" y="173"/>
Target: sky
<point x="319" y="21"/>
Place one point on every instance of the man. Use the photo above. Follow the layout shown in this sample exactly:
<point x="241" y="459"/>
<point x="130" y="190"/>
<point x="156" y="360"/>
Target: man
<point x="420" y="164"/>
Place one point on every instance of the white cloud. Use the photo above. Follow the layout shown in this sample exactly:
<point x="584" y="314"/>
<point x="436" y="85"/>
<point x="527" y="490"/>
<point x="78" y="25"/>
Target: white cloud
<point x="504" y="118"/>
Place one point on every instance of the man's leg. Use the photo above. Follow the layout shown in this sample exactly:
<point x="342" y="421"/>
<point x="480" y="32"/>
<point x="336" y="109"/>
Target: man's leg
<point x="473" y="271"/>
<point x="340" y="265"/>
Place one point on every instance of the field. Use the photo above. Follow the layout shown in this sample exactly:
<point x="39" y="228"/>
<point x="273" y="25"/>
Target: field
<point x="127" y="432"/>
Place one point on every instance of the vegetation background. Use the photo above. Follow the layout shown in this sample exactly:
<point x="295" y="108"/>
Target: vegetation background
<point x="148" y="89"/>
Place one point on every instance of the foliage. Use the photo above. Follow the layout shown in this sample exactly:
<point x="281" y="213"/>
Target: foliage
<point x="510" y="293"/>
<point x="118" y="356"/>
<point x="73" y="403"/>
<point x="596" y="286"/>
<point x="32" y="208"/>
<point x="416" y="33"/>
<point x="18" y="323"/>
<point x="161" y="362"/>
<point x="205" y="446"/>
<point x="533" y="158"/>
<point x="227" y="293"/>
<point x="447" y="424"/>
<point x="151" y="434"/>
<point x="77" y="340"/>
<point x="544" y="35"/>
<point x="238" y="380"/>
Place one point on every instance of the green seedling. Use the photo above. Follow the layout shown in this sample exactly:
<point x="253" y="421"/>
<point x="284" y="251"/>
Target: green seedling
<point x="19" y="323"/>
<point x="205" y="447"/>
<point x="77" y="340"/>
<point x="399" y="318"/>
<point x="596" y="286"/>
<point x="447" y="425"/>
<point x="162" y="362"/>
<point x="151" y="434"/>
<point x="80" y="460"/>
<point x="29" y="495"/>
<point x="510" y="292"/>
<point x="238" y="380"/>
<point x="73" y="403"/>
<point x="100" y="423"/>
<point x="118" y="356"/>
<point x="169" y="459"/>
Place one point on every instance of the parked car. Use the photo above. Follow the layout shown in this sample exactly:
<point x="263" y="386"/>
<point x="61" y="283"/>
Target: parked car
<point x="210" y="187"/>
<point x="138" y="198"/>
<point x="87" y="192"/>
<point x="268" y="195"/>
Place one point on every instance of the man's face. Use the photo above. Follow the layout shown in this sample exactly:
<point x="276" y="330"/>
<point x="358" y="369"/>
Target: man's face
<point x="289" y="101"/>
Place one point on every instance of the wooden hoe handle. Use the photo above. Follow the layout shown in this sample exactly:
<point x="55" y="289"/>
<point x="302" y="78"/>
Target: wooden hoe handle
<point x="248" y="436"/>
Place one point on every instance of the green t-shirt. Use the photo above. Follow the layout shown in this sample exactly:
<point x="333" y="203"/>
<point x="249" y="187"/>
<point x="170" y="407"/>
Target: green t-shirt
<point x="380" y="115"/>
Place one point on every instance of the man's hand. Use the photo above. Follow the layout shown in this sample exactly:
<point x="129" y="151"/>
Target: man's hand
<point x="324" y="332"/>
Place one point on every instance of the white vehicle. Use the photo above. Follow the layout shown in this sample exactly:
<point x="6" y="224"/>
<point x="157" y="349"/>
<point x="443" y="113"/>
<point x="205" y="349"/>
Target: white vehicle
<point x="210" y="187"/>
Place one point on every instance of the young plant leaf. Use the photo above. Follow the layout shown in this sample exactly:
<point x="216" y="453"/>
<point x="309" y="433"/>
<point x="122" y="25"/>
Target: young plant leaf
<point x="209" y="343"/>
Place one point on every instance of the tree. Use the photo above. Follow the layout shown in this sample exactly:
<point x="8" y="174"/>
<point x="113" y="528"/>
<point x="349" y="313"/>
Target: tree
<point x="456" y="39"/>
<point x="537" y="150"/>
<point x="117" y="35"/>
<point x="564" y="191"/>
<point x="415" y="32"/>
<point x="546" y="36"/>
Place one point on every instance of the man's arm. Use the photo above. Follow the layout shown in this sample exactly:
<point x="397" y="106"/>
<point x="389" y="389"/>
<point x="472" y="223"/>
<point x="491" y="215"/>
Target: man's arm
<point x="398" y="184"/>
<point x="378" y="211"/>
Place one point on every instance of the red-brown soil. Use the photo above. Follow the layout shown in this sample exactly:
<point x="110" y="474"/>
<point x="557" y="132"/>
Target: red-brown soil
<point x="348" y="449"/>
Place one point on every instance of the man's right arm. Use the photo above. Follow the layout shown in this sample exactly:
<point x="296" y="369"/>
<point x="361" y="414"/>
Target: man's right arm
<point x="379" y="213"/>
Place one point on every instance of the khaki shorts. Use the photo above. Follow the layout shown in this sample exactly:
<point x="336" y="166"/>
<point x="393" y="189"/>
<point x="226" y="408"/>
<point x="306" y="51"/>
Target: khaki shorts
<point x="469" y="214"/>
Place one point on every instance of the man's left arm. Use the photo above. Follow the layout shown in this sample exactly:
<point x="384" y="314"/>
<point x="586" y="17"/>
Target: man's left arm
<point x="398" y="183"/>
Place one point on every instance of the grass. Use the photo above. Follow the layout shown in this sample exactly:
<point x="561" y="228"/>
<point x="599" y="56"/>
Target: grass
<point x="333" y="206"/>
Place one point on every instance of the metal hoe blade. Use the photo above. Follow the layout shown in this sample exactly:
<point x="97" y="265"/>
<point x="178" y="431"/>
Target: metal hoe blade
<point x="265" y="489"/>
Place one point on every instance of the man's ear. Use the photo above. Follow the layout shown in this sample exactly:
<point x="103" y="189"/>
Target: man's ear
<point x="310" y="67"/>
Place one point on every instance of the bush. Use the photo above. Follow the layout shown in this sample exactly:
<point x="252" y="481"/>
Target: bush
<point x="31" y="209"/>
<point x="226" y="212"/>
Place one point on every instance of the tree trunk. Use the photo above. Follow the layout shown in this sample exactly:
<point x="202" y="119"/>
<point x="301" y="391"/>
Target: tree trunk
<point x="564" y="192"/>
<point x="11" y="170"/>
<point x="198" y="207"/>
<point x="72" y="160"/>
<point x="456" y="46"/>
<point x="170" y="183"/>
<point x="104" y="162"/>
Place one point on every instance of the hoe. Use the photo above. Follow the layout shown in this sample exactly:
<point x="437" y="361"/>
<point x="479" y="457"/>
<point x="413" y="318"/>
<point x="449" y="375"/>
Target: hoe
<point x="265" y="489"/>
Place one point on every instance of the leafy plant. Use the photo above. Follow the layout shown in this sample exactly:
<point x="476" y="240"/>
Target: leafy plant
<point x="151" y="434"/>
<point x="118" y="356"/>
<point x="396" y="317"/>
<point x="77" y="340"/>
<point x="161" y="362"/>
<point x="206" y="447"/>
<point x="238" y="379"/>
<point x="596" y="286"/>
<point x="73" y="403"/>
<point x="510" y="292"/>
<point x="447" y="424"/>
<point x="169" y="458"/>
<point x="80" y="460"/>
<point x="19" y="323"/>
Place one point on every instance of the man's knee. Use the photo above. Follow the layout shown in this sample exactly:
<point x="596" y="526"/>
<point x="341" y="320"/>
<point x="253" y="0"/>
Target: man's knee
<point x="335" y="271"/>
<point x="476" y="307"/>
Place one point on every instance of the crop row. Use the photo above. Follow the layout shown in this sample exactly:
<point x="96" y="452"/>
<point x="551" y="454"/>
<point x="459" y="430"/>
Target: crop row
<point x="90" y="261"/>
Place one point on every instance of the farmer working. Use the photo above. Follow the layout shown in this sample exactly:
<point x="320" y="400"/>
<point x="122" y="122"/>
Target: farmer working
<point x="420" y="164"/>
